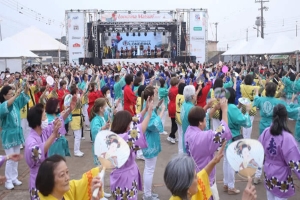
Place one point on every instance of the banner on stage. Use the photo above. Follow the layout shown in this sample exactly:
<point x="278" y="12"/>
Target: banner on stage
<point x="76" y="40"/>
<point x="161" y="61"/>
<point x="123" y="41"/>
<point x="198" y="25"/>
<point x="136" y="17"/>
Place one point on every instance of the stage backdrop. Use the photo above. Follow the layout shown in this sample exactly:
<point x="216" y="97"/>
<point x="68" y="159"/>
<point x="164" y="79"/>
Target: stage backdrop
<point x="129" y="41"/>
<point x="76" y="36"/>
<point x="110" y="16"/>
<point x="198" y="20"/>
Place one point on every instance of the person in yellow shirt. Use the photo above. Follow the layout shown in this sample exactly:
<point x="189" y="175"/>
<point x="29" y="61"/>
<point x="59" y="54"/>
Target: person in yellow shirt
<point x="184" y="183"/>
<point x="247" y="91"/>
<point x="179" y="102"/>
<point x="181" y="179"/>
<point x="138" y="105"/>
<point x="53" y="182"/>
<point x="77" y="122"/>
<point x="23" y="112"/>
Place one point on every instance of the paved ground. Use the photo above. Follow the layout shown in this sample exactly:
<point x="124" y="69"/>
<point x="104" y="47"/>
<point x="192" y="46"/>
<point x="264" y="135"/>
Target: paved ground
<point x="78" y="166"/>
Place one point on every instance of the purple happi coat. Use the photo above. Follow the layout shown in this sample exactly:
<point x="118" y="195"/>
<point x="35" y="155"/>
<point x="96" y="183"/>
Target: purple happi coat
<point x="126" y="181"/>
<point x="35" y="154"/>
<point x="281" y="158"/>
<point x="202" y="145"/>
<point x="2" y="160"/>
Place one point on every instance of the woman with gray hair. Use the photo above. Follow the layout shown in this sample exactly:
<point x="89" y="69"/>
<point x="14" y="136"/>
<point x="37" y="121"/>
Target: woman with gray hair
<point x="190" y="98"/>
<point x="181" y="179"/>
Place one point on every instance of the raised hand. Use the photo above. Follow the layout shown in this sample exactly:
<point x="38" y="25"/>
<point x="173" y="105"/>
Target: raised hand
<point x="250" y="191"/>
<point x="15" y="157"/>
<point x="96" y="183"/>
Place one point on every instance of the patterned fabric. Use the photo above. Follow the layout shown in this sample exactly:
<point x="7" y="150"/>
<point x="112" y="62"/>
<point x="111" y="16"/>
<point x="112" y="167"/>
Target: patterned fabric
<point x="36" y="153"/>
<point x="126" y="193"/>
<point x="283" y="186"/>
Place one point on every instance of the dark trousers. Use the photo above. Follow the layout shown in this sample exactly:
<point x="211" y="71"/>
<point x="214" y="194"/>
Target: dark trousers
<point x="67" y="128"/>
<point x="173" y="128"/>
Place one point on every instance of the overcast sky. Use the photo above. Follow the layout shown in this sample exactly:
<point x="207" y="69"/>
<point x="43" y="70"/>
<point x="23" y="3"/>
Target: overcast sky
<point x="233" y="16"/>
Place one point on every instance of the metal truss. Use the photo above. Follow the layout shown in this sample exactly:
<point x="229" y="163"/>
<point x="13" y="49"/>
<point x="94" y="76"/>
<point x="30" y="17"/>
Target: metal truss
<point x="95" y="38"/>
<point x="67" y="35"/>
<point x="178" y="39"/>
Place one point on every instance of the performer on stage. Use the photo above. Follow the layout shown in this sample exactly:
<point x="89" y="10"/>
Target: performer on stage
<point x="118" y="54"/>
<point x="126" y="53"/>
<point x="155" y="51"/>
<point x="148" y="52"/>
<point x="142" y="49"/>
<point x="122" y="53"/>
<point x="135" y="52"/>
<point x="162" y="51"/>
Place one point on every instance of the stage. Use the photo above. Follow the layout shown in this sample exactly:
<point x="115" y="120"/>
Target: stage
<point x="161" y="61"/>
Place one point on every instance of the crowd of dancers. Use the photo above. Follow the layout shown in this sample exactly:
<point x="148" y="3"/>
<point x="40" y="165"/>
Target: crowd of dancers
<point x="121" y="98"/>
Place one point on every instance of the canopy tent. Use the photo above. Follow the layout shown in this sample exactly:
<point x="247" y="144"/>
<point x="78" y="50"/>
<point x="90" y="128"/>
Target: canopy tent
<point x="12" y="55"/>
<point x="281" y="45"/>
<point x="272" y="46"/>
<point x="9" y="48"/>
<point x="236" y="48"/>
<point x="36" y="40"/>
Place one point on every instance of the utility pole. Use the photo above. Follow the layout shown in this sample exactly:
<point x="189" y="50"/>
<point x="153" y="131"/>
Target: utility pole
<point x="0" y="31"/>
<point x="296" y="28"/>
<point x="262" y="8"/>
<point x="216" y="24"/>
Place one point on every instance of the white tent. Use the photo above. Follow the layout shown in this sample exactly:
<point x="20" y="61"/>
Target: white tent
<point x="236" y="48"/>
<point x="282" y="45"/>
<point x="296" y="43"/>
<point x="36" y="40"/>
<point x="12" y="55"/>
<point x="256" y="47"/>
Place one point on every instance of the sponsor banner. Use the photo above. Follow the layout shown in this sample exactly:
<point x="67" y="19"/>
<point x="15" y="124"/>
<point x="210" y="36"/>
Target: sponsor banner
<point x="161" y="61"/>
<point x="136" y="17"/>
<point x="124" y="41"/>
<point x="197" y="35"/>
<point x="76" y="40"/>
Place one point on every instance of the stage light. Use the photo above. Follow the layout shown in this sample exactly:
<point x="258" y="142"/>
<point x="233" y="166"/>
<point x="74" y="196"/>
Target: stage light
<point x="133" y="34"/>
<point x="164" y="33"/>
<point x="145" y="33"/>
<point x="127" y="34"/>
<point x="108" y="33"/>
<point x="139" y="34"/>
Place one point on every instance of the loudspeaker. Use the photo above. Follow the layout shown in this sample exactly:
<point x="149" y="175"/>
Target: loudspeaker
<point x="94" y="61"/>
<point x="97" y="61"/>
<point x="183" y="36"/>
<point x="90" y="37"/>
<point x="184" y="59"/>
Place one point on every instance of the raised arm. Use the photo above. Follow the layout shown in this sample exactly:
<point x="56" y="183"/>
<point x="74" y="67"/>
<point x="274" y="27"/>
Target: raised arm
<point x="149" y="108"/>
